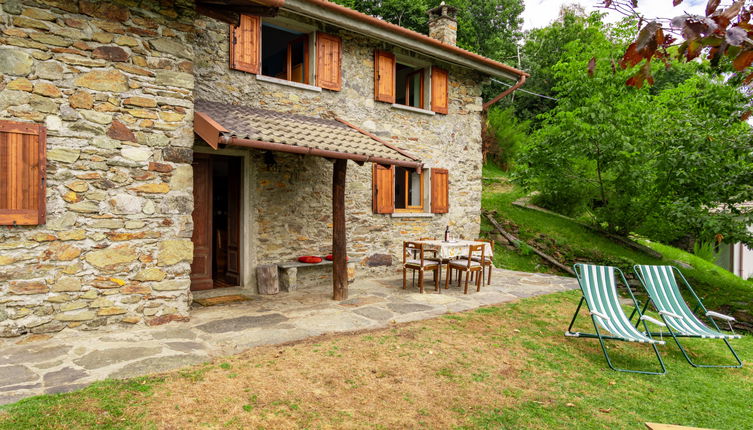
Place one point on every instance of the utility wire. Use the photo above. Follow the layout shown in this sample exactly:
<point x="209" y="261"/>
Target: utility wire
<point x="526" y="91"/>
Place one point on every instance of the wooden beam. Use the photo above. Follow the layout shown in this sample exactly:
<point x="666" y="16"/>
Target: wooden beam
<point x="339" y="239"/>
<point x="229" y="13"/>
<point x="516" y="242"/>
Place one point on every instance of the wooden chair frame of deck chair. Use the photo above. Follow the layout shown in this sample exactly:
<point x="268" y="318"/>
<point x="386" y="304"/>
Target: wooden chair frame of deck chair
<point x="664" y="293"/>
<point x="599" y="288"/>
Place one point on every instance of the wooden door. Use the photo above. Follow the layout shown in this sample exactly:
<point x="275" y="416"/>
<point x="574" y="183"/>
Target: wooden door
<point x="201" y="268"/>
<point x="234" y="220"/>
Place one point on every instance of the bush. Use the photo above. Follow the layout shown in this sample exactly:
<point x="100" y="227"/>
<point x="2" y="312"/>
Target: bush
<point x="504" y="136"/>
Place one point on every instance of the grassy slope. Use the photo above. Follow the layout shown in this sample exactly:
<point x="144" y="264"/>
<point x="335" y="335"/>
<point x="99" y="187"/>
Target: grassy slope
<point x="571" y="243"/>
<point x="502" y="367"/>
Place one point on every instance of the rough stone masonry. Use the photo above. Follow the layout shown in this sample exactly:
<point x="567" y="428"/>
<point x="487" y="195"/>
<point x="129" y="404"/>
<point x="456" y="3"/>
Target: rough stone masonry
<point x="114" y="83"/>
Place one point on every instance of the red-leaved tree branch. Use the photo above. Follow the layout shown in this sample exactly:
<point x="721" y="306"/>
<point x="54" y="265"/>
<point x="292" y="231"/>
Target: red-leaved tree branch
<point x="725" y="31"/>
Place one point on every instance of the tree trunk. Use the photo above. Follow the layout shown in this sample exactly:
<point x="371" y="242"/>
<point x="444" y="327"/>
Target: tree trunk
<point x="339" y="241"/>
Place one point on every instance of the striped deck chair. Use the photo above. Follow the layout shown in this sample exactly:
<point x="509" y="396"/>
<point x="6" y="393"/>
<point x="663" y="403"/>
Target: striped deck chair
<point x="664" y="292"/>
<point x="599" y="287"/>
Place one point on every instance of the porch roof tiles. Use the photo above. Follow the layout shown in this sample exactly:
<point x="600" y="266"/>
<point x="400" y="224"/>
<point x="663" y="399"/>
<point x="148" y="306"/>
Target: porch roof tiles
<point x="223" y="123"/>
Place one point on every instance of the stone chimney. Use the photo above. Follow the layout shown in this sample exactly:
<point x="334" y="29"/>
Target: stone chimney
<point x="443" y="25"/>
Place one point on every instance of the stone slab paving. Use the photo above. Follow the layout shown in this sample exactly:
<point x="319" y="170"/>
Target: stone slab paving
<point x="71" y="360"/>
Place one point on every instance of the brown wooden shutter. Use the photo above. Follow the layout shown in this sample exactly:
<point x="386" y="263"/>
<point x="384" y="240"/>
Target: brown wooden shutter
<point x="440" y="202"/>
<point x="384" y="76"/>
<point x="23" y="162"/>
<point x="328" y="61"/>
<point x="383" y="189"/>
<point x="439" y="90"/>
<point x="245" y="44"/>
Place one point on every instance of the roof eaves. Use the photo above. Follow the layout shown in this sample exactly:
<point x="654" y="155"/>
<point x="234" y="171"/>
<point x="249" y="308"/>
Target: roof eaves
<point x="380" y="29"/>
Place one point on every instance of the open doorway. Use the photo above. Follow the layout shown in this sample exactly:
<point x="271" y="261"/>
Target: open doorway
<point x="216" y="219"/>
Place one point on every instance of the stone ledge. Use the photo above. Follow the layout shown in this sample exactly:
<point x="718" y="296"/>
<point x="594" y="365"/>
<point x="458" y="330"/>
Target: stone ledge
<point x="413" y="109"/>
<point x="412" y="215"/>
<point x="288" y="83"/>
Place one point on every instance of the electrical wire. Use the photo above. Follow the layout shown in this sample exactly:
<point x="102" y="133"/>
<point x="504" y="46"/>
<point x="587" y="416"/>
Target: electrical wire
<point x="526" y="91"/>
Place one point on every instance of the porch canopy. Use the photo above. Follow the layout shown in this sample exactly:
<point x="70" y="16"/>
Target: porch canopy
<point x="226" y="124"/>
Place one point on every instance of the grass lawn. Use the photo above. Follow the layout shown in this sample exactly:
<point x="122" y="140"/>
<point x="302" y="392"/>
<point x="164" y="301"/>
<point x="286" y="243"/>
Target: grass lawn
<point x="497" y="367"/>
<point x="570" y="242"/>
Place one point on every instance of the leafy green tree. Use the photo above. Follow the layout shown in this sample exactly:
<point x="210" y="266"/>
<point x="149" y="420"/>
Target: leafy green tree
<point x="666" y="163"/>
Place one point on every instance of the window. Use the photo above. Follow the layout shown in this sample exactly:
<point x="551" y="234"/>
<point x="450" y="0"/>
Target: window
<point x="284" y="54"/>
<point x="409" y="190"/>
<point x="294" y="55"/>
<point x="22" y="173"/>
<point x="408" y="85"/>
<point x="400" y="189"/>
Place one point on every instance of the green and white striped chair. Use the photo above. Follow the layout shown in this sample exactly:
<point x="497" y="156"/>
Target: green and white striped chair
<point x="664" y="291"/>
<point x="599" y="287"/>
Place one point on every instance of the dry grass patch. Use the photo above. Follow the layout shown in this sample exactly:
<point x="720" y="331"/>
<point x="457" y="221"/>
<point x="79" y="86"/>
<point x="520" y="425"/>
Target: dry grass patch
<point x="427" y="374"/>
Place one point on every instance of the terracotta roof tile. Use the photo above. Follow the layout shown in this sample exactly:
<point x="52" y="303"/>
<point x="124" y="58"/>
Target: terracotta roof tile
<point x="249" y="123"/>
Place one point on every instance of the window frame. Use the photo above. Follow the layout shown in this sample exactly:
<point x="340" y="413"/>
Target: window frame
<point x="408" y="208"/>
<point x="409" y="83"/>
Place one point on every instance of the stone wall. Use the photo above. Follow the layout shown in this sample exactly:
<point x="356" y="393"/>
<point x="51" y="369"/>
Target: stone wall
<point x="291" y="201"/>
<point x="113" y="84"/>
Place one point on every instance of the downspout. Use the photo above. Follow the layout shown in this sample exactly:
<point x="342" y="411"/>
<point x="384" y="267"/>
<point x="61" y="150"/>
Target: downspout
<point x="505" y="93"/>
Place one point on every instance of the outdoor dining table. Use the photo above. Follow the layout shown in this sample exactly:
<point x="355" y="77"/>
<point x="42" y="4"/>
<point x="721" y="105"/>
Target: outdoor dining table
<point x="454" y="249"/>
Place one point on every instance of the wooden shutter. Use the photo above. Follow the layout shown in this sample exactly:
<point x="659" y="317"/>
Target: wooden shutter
<point x="328" y="61"/>
<point x="245" y="44"/>
<point x="440" y="202"/>
<point x="383" y="189"/>
<point x="439" y="90"/>
<point x="22" y="173"/>
<point x="384" y="76"/>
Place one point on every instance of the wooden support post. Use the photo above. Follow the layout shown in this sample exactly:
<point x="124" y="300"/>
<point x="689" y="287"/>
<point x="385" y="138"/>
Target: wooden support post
<point x="339" y="239"/>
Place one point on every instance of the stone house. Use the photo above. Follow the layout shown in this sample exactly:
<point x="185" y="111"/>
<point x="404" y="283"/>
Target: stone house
<point x="151" y="149"/>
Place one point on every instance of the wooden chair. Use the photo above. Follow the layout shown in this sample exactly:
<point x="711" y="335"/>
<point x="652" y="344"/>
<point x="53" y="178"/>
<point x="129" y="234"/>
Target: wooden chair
<point x="488" y="261"/>
<point x="468" y="266"/>
<point x="413" y="259"/>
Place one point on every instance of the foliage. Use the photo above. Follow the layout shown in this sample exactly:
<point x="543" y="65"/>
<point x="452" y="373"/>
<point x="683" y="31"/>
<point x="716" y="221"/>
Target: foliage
<point x="666" y="163"/>
<point x="542" y="49"/>
<point x="570" y="242"/>
<point x="704" y="250"/>
<point x="723" y="36"/>
<point x="490" y="27"/>
<point x="506" y="135"/>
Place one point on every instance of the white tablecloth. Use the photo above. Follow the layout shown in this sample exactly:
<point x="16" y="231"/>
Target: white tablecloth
<point x="451" y="250"/>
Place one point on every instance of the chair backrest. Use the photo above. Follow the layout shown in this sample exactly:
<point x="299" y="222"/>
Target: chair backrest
<point x="415" y="249"/>
<point x="661" y="284"/>
<point x="477" y="250"/>
<point x="599" y="286"/>
<point x="489" y="241"/>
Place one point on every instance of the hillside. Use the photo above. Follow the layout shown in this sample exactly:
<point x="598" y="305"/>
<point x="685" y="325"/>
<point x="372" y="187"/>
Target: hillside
<point x="570" y="243"/>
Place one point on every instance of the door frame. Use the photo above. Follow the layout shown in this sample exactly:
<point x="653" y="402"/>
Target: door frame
<point x="248" y="258"/>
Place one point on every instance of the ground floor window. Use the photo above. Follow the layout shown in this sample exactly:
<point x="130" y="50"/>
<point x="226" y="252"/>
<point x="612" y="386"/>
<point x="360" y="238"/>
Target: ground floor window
<point x="409" y="190"/>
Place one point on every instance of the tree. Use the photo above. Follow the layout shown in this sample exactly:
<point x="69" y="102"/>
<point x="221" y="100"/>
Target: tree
<point x="490" y="27"/>
<point x="666" y="162"/>
<point x="723" y="36"/>
<point x="542" y="49"/>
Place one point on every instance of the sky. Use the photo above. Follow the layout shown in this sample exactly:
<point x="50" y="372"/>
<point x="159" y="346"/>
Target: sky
<point x="539" y="13"/>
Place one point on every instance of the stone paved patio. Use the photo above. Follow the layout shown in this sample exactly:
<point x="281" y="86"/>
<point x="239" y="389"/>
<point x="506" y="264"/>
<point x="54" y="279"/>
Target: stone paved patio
<point x="72" y="359"/>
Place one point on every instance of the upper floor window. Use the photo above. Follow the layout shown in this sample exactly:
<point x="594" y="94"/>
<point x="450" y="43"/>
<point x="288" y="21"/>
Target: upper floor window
<point x="294" y="55"/>
<point x="284" y="54"/>
<point x="409" y="86"/>
<point x="404" y="84"/>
